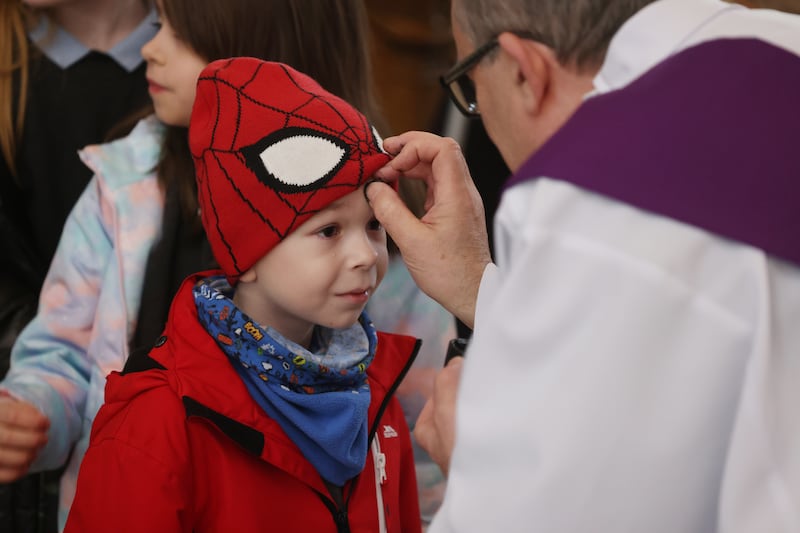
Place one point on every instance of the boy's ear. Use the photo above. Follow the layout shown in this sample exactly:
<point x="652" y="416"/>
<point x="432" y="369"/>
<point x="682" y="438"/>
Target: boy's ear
<point x="530" y="68"/>
<point x="248" y="276"/>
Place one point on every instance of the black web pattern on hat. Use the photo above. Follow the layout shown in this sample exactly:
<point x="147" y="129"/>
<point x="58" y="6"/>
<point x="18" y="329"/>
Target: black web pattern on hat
<point x="339" y="145"/>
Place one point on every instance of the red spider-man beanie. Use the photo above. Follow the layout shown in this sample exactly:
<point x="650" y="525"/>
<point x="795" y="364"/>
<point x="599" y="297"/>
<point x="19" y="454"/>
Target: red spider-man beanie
<point x="271" y="148"/>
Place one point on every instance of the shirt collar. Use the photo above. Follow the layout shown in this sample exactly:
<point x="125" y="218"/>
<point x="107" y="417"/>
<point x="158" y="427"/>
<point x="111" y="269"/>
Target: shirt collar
<point x="65" y="50"/>
<point x="653" y="34"/>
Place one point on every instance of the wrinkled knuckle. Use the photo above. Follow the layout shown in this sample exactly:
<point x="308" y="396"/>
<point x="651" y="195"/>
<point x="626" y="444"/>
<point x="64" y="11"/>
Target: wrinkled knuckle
<point x="451" y="144"/>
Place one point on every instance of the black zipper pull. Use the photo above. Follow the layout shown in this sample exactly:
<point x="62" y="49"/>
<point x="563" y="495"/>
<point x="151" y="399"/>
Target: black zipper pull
<point x="342" y="523"/>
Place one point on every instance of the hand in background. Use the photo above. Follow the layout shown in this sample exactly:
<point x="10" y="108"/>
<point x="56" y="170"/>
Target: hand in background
<point x="435" y="428"/>
<point x="447" y="250"/>
<point x="23" y="432"/>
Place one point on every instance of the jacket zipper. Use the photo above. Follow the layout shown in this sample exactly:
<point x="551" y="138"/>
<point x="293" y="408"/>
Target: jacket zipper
<point x="339" y="514"/>
<point x="392" y="390"/>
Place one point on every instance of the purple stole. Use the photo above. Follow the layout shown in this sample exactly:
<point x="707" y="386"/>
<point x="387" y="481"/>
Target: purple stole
<point x="709" y="137"/>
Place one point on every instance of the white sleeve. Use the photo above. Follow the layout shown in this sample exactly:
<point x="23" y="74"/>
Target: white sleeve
<point x="488" y="286"/>
<point x="601" y="384"/>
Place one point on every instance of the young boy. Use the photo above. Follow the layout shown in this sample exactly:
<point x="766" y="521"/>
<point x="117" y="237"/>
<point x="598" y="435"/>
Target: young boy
<point x="267" y="405"/>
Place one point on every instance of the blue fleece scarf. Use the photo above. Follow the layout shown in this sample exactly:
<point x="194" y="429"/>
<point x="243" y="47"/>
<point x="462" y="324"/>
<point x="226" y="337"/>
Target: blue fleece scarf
<point x="319" y="398"/>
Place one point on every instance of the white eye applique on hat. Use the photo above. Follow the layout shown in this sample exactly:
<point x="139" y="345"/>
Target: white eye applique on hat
<point x="296" y="159"/>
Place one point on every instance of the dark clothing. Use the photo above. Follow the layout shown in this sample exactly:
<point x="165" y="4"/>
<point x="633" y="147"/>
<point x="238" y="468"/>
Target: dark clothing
<point x="66" y="110"/>
<point x="19" y="279"/>
<point x="64" y="113"/>
<point x="181" y="250"/>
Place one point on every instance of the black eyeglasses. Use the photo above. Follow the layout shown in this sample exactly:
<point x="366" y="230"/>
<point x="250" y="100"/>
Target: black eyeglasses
<point x="458" y="83"/>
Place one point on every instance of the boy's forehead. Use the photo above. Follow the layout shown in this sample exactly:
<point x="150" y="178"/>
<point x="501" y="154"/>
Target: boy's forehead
<point x="347" y="202"/>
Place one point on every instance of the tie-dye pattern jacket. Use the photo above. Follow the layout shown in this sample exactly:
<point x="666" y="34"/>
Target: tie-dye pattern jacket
<point x="90" y="299"/>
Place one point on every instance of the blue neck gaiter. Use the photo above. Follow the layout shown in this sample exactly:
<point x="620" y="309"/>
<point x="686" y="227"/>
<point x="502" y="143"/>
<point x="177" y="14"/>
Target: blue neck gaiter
<point x="320" y="397"/>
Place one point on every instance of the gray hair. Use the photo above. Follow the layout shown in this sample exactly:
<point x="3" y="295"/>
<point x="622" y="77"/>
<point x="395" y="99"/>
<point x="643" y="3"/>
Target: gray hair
<point x="579" y="31"/>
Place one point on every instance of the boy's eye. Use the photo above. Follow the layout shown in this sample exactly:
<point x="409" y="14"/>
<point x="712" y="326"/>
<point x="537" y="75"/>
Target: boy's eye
<point x="328" y="231"/>
<point x="374" y="225"/>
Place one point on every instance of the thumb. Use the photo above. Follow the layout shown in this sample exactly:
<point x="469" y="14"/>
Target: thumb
<point x="393" y="214"/>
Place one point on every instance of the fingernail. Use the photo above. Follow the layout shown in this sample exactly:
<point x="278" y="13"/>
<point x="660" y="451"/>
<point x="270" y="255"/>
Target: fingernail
<point x="367" y="184"/>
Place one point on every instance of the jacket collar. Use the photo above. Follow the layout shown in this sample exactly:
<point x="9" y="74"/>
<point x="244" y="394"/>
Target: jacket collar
<point x="210" y="388"/>
<point x="65" y="50"/>
<point x="653" y="34"/>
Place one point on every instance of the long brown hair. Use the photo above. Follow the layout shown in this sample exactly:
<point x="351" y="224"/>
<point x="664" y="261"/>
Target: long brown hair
<point x="13" y="66"/>
<point x="325" y="39"/>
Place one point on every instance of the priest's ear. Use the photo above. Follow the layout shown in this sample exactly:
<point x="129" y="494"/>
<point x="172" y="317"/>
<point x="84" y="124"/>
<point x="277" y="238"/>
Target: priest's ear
<point x="531" y="63"/>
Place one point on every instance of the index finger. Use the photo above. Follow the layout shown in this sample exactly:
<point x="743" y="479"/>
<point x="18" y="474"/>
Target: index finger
<point x="420" y="155"/>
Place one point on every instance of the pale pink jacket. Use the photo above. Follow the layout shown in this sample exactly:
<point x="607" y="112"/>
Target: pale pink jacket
<point x="90" y="299"/>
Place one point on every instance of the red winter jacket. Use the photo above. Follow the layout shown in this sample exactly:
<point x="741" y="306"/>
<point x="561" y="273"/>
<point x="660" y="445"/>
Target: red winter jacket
<point x="181" y="446"/>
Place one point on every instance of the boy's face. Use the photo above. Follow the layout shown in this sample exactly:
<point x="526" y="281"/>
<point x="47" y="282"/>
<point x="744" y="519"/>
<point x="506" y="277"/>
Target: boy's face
<point x="322" y="273"/>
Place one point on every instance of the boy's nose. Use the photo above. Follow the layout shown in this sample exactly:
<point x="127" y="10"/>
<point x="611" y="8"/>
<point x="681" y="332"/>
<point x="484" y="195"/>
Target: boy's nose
<point x="364" y="252"/>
